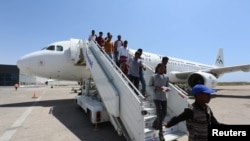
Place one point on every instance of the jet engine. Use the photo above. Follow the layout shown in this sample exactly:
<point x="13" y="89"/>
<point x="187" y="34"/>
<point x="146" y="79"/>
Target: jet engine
<point x="202" y="78"/>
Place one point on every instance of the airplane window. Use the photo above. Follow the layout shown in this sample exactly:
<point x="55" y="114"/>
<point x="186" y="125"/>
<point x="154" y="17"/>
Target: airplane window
<point x="59" y="48"/>
<point x="51" y="47"/>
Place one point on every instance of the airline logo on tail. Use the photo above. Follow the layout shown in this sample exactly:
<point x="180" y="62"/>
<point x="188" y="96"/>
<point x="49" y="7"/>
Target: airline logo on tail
<point x="219" y="61"/>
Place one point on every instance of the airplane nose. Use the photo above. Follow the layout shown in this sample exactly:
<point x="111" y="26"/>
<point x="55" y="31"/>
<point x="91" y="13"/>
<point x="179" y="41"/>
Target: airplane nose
<point x="23" y="64"/>
<point x="20" y="64"/>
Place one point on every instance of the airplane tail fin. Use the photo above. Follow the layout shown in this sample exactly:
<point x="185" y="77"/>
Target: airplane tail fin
<point x="219" y="60"/>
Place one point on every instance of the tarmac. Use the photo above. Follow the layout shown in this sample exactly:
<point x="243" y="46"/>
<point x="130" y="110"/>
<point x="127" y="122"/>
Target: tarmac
<point x="44" y="113"/>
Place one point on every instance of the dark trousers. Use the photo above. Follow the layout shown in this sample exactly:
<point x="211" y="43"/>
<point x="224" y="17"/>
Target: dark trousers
<point x="135" y="80"/>
<point x="161" y="112"/>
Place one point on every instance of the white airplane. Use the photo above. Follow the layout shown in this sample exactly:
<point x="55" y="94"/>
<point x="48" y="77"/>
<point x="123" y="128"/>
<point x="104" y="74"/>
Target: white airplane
<point x="58" y="61"/>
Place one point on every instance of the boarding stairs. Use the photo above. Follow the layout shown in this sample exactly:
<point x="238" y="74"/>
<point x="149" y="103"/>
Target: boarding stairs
<point x="130" y="114"/>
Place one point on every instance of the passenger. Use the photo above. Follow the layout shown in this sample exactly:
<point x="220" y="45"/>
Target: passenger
<point x="164" y="61"/>
<point x="123" y="55"/>
<point x="100" y="39"/>
<point x="159" y="81"/>
<point x="108" y="34"/>
<point x="117" y="45"/>
<point x="92" y="36"/>
<point x="133" y="72"/>
<point x="198" y="116"/>
<point x="109" y="46"/>
<point x="142" y="78"/>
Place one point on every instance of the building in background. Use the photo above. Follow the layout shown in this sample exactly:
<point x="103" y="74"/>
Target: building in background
<point x="25" y="79"/>
<point x="10" y="75"/>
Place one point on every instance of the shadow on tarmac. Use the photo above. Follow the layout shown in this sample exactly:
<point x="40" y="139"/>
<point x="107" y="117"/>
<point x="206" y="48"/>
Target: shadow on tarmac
<point x="75" y="119"/>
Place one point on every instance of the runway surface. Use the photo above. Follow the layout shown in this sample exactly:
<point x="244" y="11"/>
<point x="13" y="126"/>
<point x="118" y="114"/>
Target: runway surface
<point x="53" y="115"/>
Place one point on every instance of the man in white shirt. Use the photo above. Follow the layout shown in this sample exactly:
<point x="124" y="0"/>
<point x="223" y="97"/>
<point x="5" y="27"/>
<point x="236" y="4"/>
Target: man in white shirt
<point x="92" y="36"/>
<point x="123" y="55"/>
<point x="117" y="45"/>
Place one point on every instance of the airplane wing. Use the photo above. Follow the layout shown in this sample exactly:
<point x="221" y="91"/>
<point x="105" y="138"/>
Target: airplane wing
<point x="216" y="71"/>
<point x="222" y="70"/>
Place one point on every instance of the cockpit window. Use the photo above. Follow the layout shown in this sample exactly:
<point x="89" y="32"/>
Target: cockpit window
<point x="59" y="48"/>
<point x="51" y="47"/>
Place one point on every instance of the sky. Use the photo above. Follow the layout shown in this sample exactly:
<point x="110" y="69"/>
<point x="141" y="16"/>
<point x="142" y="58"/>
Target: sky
<point x="188" y="29"/>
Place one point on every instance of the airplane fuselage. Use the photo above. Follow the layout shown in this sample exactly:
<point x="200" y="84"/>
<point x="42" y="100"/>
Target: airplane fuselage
<point x="66" y="60"/>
